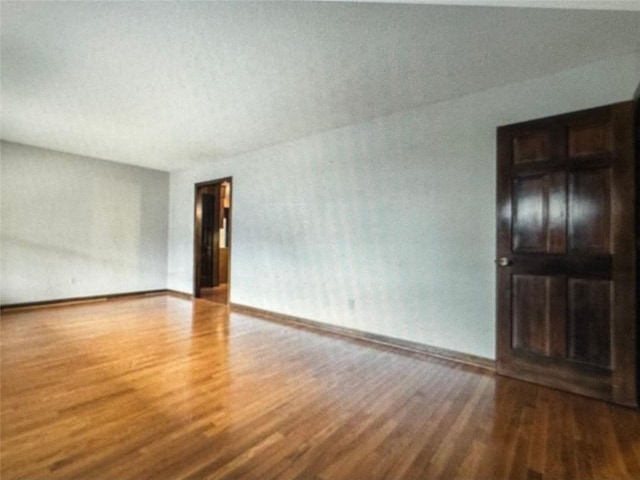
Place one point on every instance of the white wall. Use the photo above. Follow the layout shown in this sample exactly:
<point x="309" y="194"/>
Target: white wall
<point x="386" y="226"/>
<point x="76" y="226"/>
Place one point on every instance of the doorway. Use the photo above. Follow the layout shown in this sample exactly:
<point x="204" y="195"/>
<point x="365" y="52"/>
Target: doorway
<point x="212" y="240"/>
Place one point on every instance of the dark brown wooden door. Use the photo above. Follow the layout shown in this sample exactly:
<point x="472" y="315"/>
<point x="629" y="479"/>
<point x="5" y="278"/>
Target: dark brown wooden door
<point x="208" y="245"/>
<point x="566" y="294"/>
<point x="207" y="236"/>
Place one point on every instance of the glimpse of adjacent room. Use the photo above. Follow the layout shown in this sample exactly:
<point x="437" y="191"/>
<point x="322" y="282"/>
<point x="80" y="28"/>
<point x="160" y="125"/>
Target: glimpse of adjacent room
<point x="212" y="228"/>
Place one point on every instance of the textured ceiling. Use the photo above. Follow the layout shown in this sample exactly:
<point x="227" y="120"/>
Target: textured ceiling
<point x="170" y="84"/>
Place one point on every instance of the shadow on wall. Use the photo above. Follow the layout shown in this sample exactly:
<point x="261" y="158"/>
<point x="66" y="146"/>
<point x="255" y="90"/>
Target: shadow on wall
<point x="34" y="271"/>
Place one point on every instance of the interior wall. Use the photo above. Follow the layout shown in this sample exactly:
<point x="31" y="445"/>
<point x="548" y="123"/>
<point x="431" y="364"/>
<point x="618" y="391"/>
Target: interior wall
<point x="386" y="226"/>
<point x="75" y="226"/>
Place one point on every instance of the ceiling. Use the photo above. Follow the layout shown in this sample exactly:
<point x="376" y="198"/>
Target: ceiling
<point x="167" y="85"/>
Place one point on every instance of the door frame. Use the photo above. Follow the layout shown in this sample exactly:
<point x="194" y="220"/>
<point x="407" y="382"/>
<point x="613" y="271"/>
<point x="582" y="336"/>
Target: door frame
<point x="197" y="234"/>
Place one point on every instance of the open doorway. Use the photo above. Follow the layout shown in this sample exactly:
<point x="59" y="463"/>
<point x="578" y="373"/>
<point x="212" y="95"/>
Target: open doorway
<point x="212" y="241"/>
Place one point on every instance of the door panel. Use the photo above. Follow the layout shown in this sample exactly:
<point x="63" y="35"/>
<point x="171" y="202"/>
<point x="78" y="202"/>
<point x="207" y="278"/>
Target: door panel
<point x="537" y="327"/>
<point x="589" y="318"/>
<point x="589" y="222"/>
<point x="531" y="148"/>
<point x="531" y="313"/>
<point x="530" y="211"/>
<point x="566" y="296"/>
<point x="590" y="139"/>
<point x="538" y="213"/>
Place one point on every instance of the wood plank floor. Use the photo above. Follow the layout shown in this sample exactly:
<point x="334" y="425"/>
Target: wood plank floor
<point x="219" y="294"/>
<point x="164" y="388"/>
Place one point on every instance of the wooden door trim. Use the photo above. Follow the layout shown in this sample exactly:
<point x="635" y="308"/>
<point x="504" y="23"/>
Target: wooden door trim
<point x="197" y="230"/>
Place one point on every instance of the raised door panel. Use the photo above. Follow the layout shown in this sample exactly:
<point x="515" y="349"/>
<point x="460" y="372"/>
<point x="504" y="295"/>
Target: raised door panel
<point x="534" y="147"/>
<point x="590" y="139"/>
<point x="530" y="313"/>
<point x="589" y="321"/>
<point x="538" y="314"/>
<point x="589" y="216"/>
<point x="539" y="213"/>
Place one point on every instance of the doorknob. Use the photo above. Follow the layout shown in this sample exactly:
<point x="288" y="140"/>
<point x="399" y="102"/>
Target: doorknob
<point x="503" y="262"/>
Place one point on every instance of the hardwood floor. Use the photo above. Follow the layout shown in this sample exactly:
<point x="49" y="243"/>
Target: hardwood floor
<point x="219" y="294"/>
<point x="164" y="388"/>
